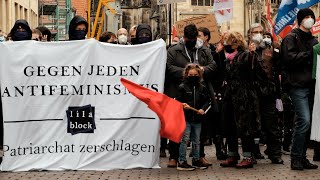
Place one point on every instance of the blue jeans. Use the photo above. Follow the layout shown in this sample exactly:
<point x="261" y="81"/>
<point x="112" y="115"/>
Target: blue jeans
<point x="192" y="131"/>
<point x="301" y="102"/>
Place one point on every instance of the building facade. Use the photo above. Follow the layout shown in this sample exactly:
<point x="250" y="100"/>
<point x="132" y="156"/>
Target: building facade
<point x="12" y="10"/>
<point x="245" y="12"/>
<point x="56" y="16"/>
<point x="80" y="7"/>
<point x="136" y="12"/>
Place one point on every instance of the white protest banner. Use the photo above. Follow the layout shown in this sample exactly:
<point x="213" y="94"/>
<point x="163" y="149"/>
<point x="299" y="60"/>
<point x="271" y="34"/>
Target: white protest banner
<point x="315" y="126"/>
<point x="65" y="108"/>
<point x="223" y="10"/>
<point x="161" y="2"/>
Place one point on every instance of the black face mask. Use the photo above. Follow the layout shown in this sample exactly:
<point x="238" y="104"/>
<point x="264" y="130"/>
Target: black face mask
<point x="190" y="44"/>
<point x="21" y="36"/>
<point x="144" y="40"/>
<point x="133" y="40"/>
<point x="79" y="34"/>
<point x="228" y="49"/>
<point x="193" y="80"/>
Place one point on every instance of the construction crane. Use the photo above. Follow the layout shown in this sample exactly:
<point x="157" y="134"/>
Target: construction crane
<point x="111" y="8"/>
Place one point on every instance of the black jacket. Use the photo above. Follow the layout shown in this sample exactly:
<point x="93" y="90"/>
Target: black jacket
<point x="177" y="60"/>
<point x="296" y="57"/>
<point x="196" y="97"/>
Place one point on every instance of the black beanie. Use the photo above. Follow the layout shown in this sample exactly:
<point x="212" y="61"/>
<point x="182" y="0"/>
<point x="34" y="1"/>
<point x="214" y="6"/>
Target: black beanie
<point x="303" y="13"/>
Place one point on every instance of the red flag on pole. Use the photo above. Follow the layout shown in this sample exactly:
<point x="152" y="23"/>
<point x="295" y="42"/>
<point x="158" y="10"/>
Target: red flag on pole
<point x="169" y="110"/>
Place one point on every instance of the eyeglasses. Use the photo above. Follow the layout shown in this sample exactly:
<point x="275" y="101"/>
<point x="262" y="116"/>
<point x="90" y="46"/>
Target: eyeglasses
<point x="257" y="32"/>
<point x="36" y="39"/>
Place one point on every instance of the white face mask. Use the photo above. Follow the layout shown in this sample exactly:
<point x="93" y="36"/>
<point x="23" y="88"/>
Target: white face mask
<point x="267" y="41"/>
<point x="308" y="23"/>
<point x="257" y="38"/>
<point x="199" y="43"/>
<point x="122" y="39"/>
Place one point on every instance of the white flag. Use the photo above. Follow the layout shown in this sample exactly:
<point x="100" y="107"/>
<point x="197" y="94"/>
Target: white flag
<point x="223" y="10"/>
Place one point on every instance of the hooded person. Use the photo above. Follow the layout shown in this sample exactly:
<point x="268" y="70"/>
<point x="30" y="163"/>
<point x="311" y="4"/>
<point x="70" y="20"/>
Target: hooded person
<point x="143" y="34"/>
<point x="78" y="28"/>
<point x="21" y="31"/>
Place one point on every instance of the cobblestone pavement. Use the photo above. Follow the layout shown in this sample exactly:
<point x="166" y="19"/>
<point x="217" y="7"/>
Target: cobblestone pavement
<point x="263" y="170"/>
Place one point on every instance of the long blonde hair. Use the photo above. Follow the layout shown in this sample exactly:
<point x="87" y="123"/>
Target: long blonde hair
<point x="235" y="39"/>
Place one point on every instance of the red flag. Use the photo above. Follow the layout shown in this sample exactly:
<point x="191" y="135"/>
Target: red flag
<point x="169" y="110"/>
<point x="286" y="31"/>
<point x="174" y="32"/>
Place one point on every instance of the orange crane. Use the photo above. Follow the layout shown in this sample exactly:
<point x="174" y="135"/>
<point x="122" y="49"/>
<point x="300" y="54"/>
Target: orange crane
<point x="100" y="15"/>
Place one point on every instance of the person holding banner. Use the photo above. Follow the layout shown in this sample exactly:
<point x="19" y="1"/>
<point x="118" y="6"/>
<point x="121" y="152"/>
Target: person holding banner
<point x="143" y="34"/>
<point x="188" y="50"/>
<point x="122" y="35"/>
<point x="46" y="34"/>
<point x="297" y="56"/>
<point x="78" y="28"/>
<point x="21" y="31"/>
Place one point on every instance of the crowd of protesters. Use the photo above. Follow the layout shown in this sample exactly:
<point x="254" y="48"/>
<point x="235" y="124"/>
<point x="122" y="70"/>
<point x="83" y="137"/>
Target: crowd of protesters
<point x="251" y="91"/>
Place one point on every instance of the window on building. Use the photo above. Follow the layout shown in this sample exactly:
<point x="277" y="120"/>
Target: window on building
<point x="202" y="2"/>
<point x="276" y="2"/>
<point x="62" y="16"/>
<point x="26" y="15"/>
<point x="1" y="14"/>
<point x="16" y="11"/>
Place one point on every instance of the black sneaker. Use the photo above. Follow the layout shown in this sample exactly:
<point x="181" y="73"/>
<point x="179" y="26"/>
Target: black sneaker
<point x="307" y="165"/>
<point x="199" y="165"/>
<point x="185" y="167"/>
<point x="286" y="151"/>
<point x="316" y="158"/>
<point x="296" y="164"/>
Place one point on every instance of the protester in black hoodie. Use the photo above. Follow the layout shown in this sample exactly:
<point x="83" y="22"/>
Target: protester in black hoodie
<point x="21" y="31"/>
<point x="297" y="58"/>
<point x="143" y="34"/>
<point x="78" y="28"/>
